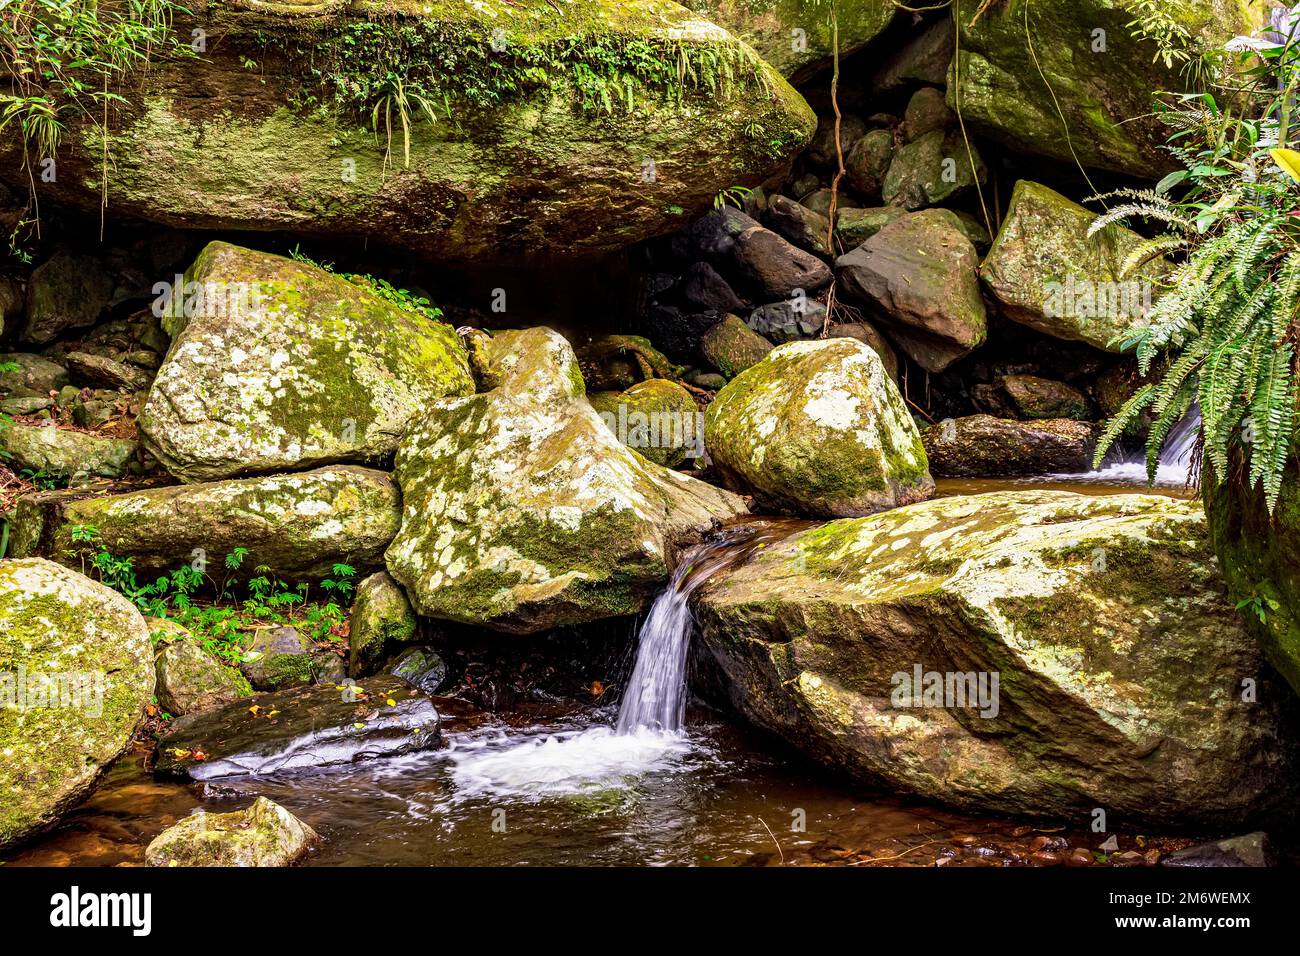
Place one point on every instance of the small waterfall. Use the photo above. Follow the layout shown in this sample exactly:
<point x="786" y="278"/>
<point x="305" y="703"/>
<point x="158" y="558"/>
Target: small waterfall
<point x="1175" y="458"/>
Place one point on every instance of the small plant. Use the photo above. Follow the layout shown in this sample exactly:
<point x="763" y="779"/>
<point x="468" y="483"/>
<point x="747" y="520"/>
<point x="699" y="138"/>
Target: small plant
<point x="731" y="196"/>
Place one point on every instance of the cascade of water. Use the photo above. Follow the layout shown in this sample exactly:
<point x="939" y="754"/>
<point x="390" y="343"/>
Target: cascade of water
<point x="1175" y="458"/>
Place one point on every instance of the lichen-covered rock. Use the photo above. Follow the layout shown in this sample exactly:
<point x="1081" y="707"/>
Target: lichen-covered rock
<point x="731" y="346"/>
<point x="981" y="446"/>
<point x="868" y="334"/>
<point x="191" y="679"/>
<point x="68" y="291"/>
<point x="934" y="168"/>
<point x="818" y="428"/>
<point x="522" y="511"/>
<point x="266" y="834"/>
<point x="285" y="366"/>
<point x="920" y="273"/>
<point x="1049" y="275"/>
<point x="1035" y="397"/>
<point x="64" y="453"/>
<point x="1068" y="79"/>
<point x="381" y="619"/>
<point x="657" y="417"/>
<point x="770" y="267"/>
<point x="299" y="525"/>
<point x="560" y="127"/>
<point x="1119" y="662"/>
<point x="76" y="672"/>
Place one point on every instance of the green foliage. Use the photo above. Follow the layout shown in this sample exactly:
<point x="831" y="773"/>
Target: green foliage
<point x="1222" y="327"/>
<point x="731" y="196"/>
<point x="1175" y="45"/>
<point x="403" y="299"/>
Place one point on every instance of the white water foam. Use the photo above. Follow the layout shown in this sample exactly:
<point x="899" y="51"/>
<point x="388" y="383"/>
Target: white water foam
<point x="1173" y="469"/>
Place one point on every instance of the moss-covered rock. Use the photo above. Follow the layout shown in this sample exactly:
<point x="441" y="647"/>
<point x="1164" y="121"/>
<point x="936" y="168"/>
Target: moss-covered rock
<point x="935" y="168"/>
<point x="68" y="291"/>
<point x="282" y="657"/>
<point x="1122" y="670"/>
<point x="1049" y="275"/>
<point x="818" y="428"/>
<point x="584" y="126"/>
<point x="522" y="511"/>
<point x="731" y="346"/>
<point x="64" y="453"/>
<point x="299" y="525"/>
<point x="1068" y="79"/>
<point x="1034" y="397"/>
<point x="191" y="679"/>
<point x="280" y="365"/>
<point x="266" y="834"/>
<point x="76" y="672"/>
<point x="982" y="446"/>
<point x="657" y="417"/>
<point x="381" y="620"/>
<point x="853" y="227"/>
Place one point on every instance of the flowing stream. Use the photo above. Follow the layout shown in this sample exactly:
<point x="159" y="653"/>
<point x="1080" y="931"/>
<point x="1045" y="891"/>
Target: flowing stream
<point x="1175" y="464"/>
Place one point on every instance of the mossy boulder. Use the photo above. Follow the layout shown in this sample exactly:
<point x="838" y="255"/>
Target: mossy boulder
<point x="937" y="167"/>
<point x="35" y="372"/>
<point x="1048" y="274"/>
<point x="65" y="453"/>
<point x="818" y="428"/>
<point x="381" y="620"/>
<point x="282" y="657"/>
<point x="1069" y="80"/>
<point x="76" y="672"/>
<point x="522" y="511"/>
<point x="919" y="274"/>
<point x="853" y="227"/>
<point x="66" y="292"/>
<point x="299" y="525"/>
<point x="983" y="446"/>
<point x="1035" y="397"/>
<point x="190" y="678"/>
<point x="577" y="127"/>
<point x="731" y="346"/>
<point x="279" y="365"/>
<point x="868" y="162"/>
<point x="657" y="417"/>
<point x="266" y="834"/>
<point x="1124" y="676"/>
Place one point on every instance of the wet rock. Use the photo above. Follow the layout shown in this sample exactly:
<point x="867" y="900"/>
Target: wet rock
<point x="787" y="321"/>
<point x="304" y="728"/>
<point x="103" y="372"/>
<point x="1034" y="397"/>
<point x="1115" y="649"/>
<point x="64" y="453"/>
<point x="190" y="679"/>
<point x="522" y="511"/>
<point x="285" y="366"/>
<point x="299" y="525"/>
<point x="798" y="224"/>
<point x="932" y="169"/>
<point x="818" y="428"/>
<point x="281" y="657"/>
<point x="980" y="446"/>
<point x="771" y="267"/>
<point x="266" y="834"/>
<point x="703" y="287"/>
<point x="421" y="667"/>
<point x="920" y="273"/>
<point x="68" y="291"/>
<point x="1047" y="273"/>
<point x="381" y="618"/>
<point x="853" y="227"/>
<point x="731" y="346"/>
<point x="1251" y="850"/>
<point x="926" y="112"/>
<point x="65" y="635"/>
<point x="658" y="418"/>
<point x="868" y="162"/>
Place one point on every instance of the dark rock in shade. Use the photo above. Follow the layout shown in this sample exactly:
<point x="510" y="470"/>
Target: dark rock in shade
<point x="12" y="302"/>
<point x="422" y="668"/>
<point x="868" y="334"/>
<point x="769" y="265"/>
<point x="1034" y="397"/>
<point x="313" y="727"/>
<point x="868" y="162"/>
<point x="806" y="229"/>
<point x="932" y="169"/>
<point x="68" y="291"/>
<point x="853" y="227"/>
<point x="981" y="446"/>
<point x="919" y="272"/>
<point x="821" y="151"/>
<point x="265" y="834"/>
<point x="926" y="112"/>
<point x="381" y="618"/>
<point x="732" y="346"/>
<point x="676" y="331"/>
<point x="1251" y="850"/>
<point x="819" y="201"/>
<point x="35" y="372"/>
<point x="103" y="372"/>
<point x="781" y="322"/>
<point x="923" y="59"/>
<point x="703" y="287"/>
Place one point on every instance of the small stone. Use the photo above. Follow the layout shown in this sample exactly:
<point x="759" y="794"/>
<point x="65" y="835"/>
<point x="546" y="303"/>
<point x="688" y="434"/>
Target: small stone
<point x="266" y="834"/>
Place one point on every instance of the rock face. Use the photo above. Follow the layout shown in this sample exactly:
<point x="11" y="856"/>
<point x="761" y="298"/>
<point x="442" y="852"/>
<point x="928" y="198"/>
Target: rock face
<point x="981" y="446"/>
<point x="1119" y="660"/>
<point x="285" y="366"/>
<point x="299" y="525"/>
<point x="64" y="453"/>
<point x="76" y="671"/>
<point x="189" y="678"/>
<point x="536" y="147"/>
<point x="301" y="729"/>
<point x="657" y="417"/>
<point x="266" y="834"/>
<point x="381" y="618"/>
<point x="919" y="271"/>
<point x="818" y="428"/>
<point x="1067" y="79"/>
<point x="522" y="511"/>
<point x="1049" y="275"/>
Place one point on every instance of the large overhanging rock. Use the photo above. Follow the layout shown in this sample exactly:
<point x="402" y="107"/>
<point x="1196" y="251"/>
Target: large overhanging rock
<point x="585" y="125"/>
<point x="1068" y="79"/>
<point x="76" y="671"/>
<point x="1050" y="275"/>
<point x="282" y="365"/>
<point x="1126" y="680"/>
<point x="796" y="36"/>
<point x="299" y="525"/>
<point x="522" y="510"/>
